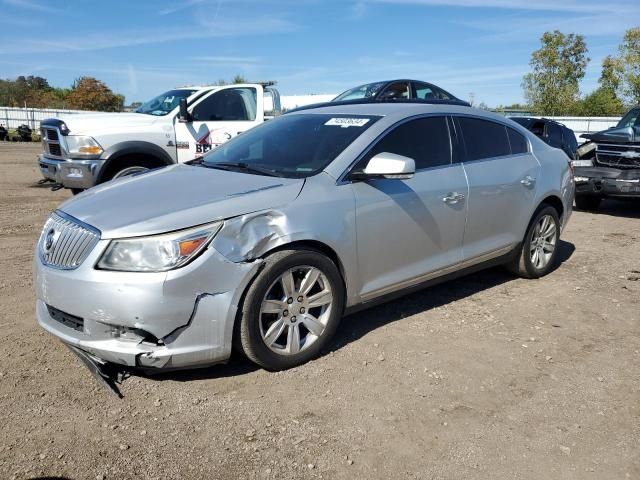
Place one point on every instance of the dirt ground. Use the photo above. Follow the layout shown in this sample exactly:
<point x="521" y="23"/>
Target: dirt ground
<point x="486" y="377"/>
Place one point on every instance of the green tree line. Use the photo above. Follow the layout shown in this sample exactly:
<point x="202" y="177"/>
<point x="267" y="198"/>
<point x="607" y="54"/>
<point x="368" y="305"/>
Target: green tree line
<point x="86" y="93"/>
<point x="558" y="67"/>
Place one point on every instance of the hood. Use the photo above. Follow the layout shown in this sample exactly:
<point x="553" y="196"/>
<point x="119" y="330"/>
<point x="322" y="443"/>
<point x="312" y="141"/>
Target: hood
<point x="176" y="197"/>
<point x="92" y="123"/>
<point x="615" y="134"/>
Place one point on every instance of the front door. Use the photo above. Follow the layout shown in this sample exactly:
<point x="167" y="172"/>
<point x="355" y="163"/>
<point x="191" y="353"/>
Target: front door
<point x="409" y="228"/>
<point x="217" y="118"/>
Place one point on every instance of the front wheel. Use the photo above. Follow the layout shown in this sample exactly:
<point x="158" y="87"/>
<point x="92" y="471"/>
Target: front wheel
<point x="538" y="251"/>
<point x="291" y="310"/>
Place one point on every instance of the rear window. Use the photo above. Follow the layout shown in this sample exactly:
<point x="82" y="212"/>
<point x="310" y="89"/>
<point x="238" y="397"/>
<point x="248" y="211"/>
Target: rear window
<point x="483" y="139"/>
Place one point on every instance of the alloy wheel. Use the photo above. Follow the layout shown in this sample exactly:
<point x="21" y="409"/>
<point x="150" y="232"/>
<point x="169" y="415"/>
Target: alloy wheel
<point x="543" y="242"/>
<point x="295" y="310"/>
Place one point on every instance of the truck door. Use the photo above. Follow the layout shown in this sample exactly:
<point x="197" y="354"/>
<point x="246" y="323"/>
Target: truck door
<point x="216" y="118"/>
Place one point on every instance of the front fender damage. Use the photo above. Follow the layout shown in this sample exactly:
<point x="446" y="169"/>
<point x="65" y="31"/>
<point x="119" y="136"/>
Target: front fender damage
<point x="248" y="237"/>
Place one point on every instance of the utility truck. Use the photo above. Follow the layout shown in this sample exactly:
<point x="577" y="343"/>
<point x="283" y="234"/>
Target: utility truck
<point x="83" y="150"/>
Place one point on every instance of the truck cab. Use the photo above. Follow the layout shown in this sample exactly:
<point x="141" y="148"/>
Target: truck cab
<point x="82" y="150"/>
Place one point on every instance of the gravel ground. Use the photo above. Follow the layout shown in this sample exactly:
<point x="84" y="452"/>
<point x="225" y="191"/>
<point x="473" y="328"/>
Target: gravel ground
<point x="486" y="377"/>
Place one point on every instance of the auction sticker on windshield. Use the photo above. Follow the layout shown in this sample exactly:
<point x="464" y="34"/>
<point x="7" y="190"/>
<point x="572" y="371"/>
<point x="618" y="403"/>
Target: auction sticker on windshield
<point x="347" y="122"/>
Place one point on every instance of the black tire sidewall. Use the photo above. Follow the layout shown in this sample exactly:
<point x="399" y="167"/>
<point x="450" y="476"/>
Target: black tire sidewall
<point x="251" y="338"/>
<point x="532" y="271"/>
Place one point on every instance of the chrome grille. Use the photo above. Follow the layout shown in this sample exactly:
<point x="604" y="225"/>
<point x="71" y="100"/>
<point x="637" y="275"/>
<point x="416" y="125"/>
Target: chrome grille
<point x="51" y="141"/>
<point x="65" y="242"/>
<point x="620" y="156"/>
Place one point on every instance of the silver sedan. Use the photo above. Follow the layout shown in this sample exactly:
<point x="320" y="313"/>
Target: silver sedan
<point x="266" y="242"/>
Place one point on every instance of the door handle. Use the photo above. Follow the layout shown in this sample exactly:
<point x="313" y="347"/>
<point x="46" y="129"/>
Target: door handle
<point x="528" y="181"/>
<point x="452" y="198"/>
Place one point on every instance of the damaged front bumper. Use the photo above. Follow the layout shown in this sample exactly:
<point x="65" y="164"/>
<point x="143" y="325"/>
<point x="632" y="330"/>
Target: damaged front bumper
<point x="607" y="182"/>
<point x="177" y="319"/>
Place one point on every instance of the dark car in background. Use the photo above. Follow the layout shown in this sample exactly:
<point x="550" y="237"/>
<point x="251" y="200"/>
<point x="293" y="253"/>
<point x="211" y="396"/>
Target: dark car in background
<point x="611" y="165"/>
<point x="403" y="90"/>
<point x="551" y="132"/>
<point x="398" y="90"/>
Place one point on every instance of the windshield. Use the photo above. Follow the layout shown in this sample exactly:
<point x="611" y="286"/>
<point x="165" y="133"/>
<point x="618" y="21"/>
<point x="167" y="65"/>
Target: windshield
<point x="294" y="146"/>
<point x="363" y="91"/>
<point x="631" y="119"/>
<point x="165" y="103"/>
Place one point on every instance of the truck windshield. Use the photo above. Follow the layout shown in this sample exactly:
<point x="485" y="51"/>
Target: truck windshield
<point x="631" y="119"/>
<point x="363" y="91"/>
<point x="165" y="103"/>
<point x="294" y="146"/>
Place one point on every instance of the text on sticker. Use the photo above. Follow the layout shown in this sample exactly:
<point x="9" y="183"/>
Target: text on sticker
<point x="347" y="122"/>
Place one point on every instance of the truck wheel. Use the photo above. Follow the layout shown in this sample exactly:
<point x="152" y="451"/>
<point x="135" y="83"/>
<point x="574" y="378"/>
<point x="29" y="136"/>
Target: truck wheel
<point x="291" y="310"/>
<point x="124" y="167"/>
<point x="76" y="191"/>
<point x="538" y="251"/>
<point x="587" y="202"/>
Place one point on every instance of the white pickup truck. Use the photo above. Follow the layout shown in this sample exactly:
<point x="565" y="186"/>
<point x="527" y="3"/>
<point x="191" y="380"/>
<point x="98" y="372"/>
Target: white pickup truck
<point x="82" y="150"/>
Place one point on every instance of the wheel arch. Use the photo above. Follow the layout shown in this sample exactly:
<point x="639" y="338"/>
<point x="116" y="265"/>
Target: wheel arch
<point x="554" y="201"/>
<point x="150" y="151"/>
<point x="317" y="246"/>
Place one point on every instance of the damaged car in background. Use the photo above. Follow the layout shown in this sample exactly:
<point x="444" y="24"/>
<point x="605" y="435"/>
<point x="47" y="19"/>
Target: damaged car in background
<point x="271" y="238"/>
<point x="608" y="165"/>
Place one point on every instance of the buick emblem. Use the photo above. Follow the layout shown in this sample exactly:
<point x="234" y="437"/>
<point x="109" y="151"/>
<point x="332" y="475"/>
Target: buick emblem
<point x="49" y="240"/>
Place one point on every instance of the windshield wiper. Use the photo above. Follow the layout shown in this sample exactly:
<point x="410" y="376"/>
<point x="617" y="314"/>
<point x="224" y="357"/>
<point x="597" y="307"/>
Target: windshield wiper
<point x="242" y="166"/>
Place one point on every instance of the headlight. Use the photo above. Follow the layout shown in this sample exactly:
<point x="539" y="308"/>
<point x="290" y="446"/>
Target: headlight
<point x="157" y="253"/>
<point x="580" y="179"/>
<point x="80" y="146"/>
<point x="582" y="163"/>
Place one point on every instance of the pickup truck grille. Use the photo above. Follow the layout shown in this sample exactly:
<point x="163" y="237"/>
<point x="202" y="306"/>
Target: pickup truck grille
<point x="51" y="141"/>
<point x="65" y="242"/>
<point x="618" y="156"/>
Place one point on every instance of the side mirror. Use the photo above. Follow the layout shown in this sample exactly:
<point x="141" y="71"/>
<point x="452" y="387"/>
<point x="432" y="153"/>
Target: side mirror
<point x="183" y="115"/>
<point x="388" y="165"/>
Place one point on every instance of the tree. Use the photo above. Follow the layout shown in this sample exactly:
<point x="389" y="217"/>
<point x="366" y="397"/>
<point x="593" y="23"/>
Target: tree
<point x="552" y="88"/>
<point x="602" y="102"/>
<point x="89" y="93"/>
<point x="239" y="79"/>
<point x="628" y="66"/>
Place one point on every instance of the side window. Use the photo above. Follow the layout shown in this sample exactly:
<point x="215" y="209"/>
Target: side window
<point x="395" y="91"/>
<point x="483" y="139"/>
<point x="517" y="141"/>
<point x="554" y="135"/>
<point x="425" y="92"/>
<point x="426" y="140"/>
<point x="232" y="104"/>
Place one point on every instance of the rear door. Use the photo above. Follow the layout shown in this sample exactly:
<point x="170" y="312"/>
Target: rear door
<point x="217" y="118"/>
<point x="408" y="228"/>
<point x="502" y="175"/>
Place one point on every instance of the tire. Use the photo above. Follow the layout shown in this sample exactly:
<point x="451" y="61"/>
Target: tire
<point x="268" y="338"/>
<point x="123" y="167"/>
<point x="525" y="264"/>
<point x="587" y="202"/>
<point x="76" y="191"/>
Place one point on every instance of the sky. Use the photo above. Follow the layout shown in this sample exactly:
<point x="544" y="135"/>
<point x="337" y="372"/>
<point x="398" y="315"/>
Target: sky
<point x="143" y="47"/>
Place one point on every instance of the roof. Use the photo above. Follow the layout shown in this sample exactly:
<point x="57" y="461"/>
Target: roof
<point x="385" y="109"/>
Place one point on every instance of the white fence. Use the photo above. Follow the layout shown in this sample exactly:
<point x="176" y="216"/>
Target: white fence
<point x="12" y="117"/>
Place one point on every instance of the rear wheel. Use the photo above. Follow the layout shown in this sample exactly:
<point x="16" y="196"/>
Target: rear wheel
<point x="538" y="251"/>
<point x="291" y="310"/>
<point x="587" y="202"/>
